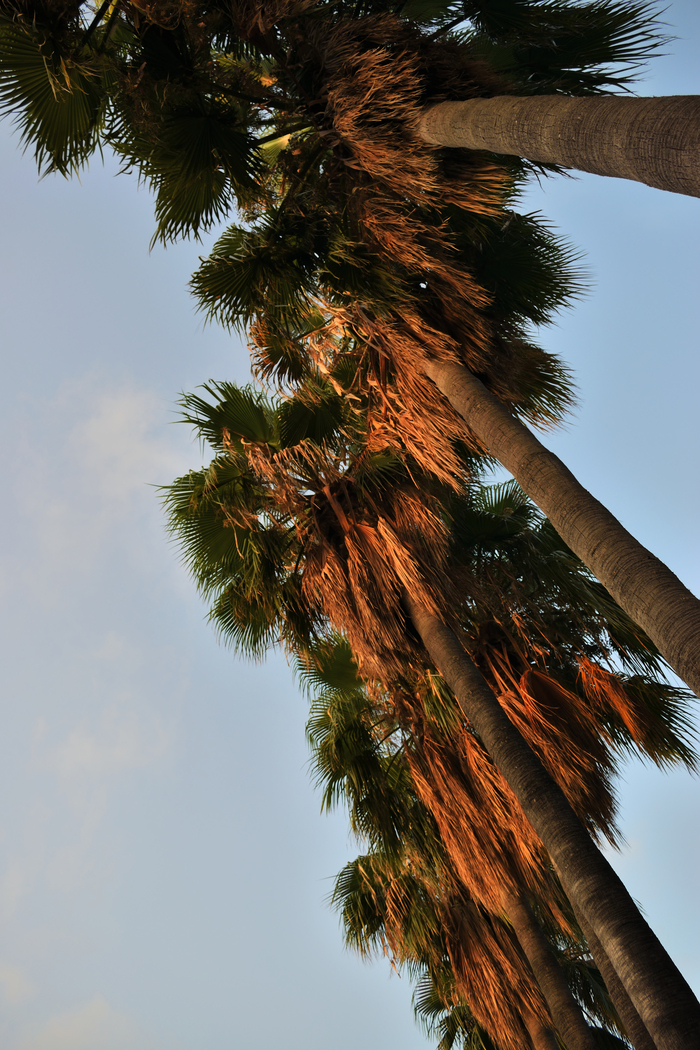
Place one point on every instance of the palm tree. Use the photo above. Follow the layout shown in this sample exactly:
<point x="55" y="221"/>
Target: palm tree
<point x="148" y="86"/>
<point x="454" y="1025"/>
<point x="546" y="51"/>
<point x="643" y="586"/>
<point x="355" y="544"/>
<point x="499" y="537"/>
<point x="464" y="956"/>
<point x="627" y="138"/>
<point x="363" y="757"/>
<point x="212" y="130"/>
<point x="576" y="859"/>
<point x="608" y="135"/>
<point x="415" y="311"/>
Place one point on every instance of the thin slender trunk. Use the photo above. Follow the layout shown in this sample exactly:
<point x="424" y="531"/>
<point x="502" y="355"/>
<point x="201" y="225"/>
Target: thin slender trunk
<point x="638" y="581"/>
<point x="566" y="1012"/>
<point x="659" y="992"/>
<point x="651" y="140"/>
<point x="634" y="1026"/>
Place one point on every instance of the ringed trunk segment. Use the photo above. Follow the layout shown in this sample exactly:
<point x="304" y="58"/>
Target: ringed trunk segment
<point x="639" y="582"/>
<point x="658" y="990"/>
<point x="635" y="1028"/>
<point x="566" y="1012"/>
<point x="650" y="140"/>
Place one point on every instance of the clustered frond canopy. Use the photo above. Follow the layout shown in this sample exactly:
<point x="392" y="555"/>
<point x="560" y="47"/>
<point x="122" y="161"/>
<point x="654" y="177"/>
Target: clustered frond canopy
<point x="408" y="897"/>
<point x="307" y="499"/>
<point x="199" y="98"/>
<point x="284" y="533"/>
<point x="360" y="253"/>
<point x="304" y="116"/>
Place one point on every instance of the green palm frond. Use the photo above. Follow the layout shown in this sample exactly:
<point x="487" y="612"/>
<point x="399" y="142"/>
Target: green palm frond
<point x="271" y="148"/>
<point x="316" y="414"/>
<point x="453" y="1026"/>
<point x="352" y="761"/>
<point x="58" y="100"/>
<point x="329" y="665"/>
<point x="671" y="737"/>
<point x="280" y="351"/>
<point x="505" y="499"/>
<point x="372" y="885"/>
<point x="357" y="753"/>
<point x="589" y="988"/>
<point x="492" y="516"/>
<point x="268" y="271"/>
<point x="576" y="48"/>
<point x="246" y="620"/>
<point x="211" y="553"/>
<point x="530" y="272"/>
<point x="239" y="412"/>
<point x="199" y="164"/>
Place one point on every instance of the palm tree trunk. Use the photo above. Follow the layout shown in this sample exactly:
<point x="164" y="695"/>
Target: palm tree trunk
<point x="651" y="140"/>
<point x="566" y="1013"/>
<point x="541" y="1038"/>
<point x="645" y="588"/>
<point x="659" y="992"/>
<point x="635" y="1028"/>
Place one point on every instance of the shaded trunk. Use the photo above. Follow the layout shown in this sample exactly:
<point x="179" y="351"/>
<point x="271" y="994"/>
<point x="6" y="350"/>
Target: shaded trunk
<point x="566" y="1012"/>
<point x="659" y="992"/>
<point x="541" y="1038"/>
<point x="635" y="1028"/>
<point x="641" y="584"/>
<point x="651" y="140"/>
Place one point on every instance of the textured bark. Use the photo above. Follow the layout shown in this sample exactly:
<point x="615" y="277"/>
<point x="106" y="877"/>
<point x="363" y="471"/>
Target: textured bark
<point x="651" y="140"/>
<point x="634" y="1026"/>
<point x="541" y="1038"/>
<point x="566" y="1012"/>
<point x="638" y="581"/>
<point x="659" y="992"/>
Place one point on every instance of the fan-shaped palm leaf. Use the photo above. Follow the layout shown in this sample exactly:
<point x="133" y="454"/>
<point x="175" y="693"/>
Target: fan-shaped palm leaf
<point x="58" y="100"/>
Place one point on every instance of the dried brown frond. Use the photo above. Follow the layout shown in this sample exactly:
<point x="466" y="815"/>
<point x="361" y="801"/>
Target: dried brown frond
<point x="362" y="546"/>
<point x="611" y="702"/>
<point x="378" y="73"/>
<point x="489" y="969"/>
<point x="420" y="247"/>
<point x="487" y="837"/>
<point x="423" y="420"/>
<point x="492" y="973"/>
<point x="358" y="580"/>
<point x="566" y="735"/>
<point x="253" y="19"/>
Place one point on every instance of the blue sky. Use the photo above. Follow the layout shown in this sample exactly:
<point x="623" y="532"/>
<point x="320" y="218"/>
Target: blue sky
<point x="163" y="862"/>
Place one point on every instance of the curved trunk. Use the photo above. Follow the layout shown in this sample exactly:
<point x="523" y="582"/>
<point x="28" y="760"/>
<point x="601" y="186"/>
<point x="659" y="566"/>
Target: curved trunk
<point x="651" y="140"/>
<point x="659" y="992"/>
<point x="634" y="1026"/>
<point x="566" y="1012"/>
<point x="641" y="584"/>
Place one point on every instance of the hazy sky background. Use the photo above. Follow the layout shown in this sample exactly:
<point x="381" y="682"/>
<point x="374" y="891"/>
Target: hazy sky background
<point x="163" y="863"/>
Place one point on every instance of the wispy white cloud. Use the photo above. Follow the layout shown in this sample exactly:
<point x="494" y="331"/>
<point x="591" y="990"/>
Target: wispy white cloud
<point x="83" y="483"/>
<point x="95" y="1025"/>
<point x="87" y="762"/>
<point x="122" y="740"/>
<point x="94" y="695"/>
<point x="16" y="986"/>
